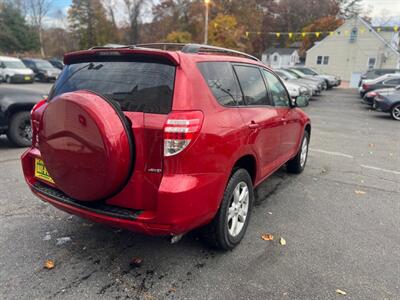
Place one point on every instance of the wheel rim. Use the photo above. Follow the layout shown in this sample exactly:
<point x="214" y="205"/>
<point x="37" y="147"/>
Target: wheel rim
<point x="25" y="130"/>
<point x="238" y="209"/>
<point x="396" y="112"/>
<point x="304" y="152"/>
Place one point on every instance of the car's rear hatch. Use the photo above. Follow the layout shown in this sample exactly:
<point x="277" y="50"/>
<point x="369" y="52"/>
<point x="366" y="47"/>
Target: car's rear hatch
<point x="137" y="83"/>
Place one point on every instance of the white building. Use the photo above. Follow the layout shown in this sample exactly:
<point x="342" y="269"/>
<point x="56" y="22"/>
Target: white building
<point x="280" y="57"/>
<point x="354" y="48"/>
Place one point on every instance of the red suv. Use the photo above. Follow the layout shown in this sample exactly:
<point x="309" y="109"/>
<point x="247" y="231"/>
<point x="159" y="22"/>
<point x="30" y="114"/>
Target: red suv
<point x="163" y="142"/>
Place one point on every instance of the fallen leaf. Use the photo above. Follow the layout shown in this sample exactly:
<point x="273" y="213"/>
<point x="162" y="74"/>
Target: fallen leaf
<point x="371" y="145"/>
<point x="360" y="192"/>
<point x="267" y="237"/>
<point x="340" y="292"/>
<point x="270" y="213"/>
<point x="49" y="264"/>
<point x="282" y="241"/>
<point x="136" y="262"/>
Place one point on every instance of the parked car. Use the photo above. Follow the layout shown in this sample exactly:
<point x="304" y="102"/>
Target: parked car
<point x="388" y="104"/>
<point x="56" y="63"/>
<point x="44" y="71"/>
<point x="375" y="73"/>
<point x="296" y="91"/>
<point x="370" y="96"/>
<point x="331" y="80"/>
<point x="13" y="70"/>
<point x="163" y="142"/>
<point x="15" y="107"/>
<point x="320" y="81"/>
<point x="292" y="77"/>
<point x="385" y="81"/>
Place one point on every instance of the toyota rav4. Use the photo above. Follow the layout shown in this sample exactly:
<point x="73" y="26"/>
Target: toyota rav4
<point x="163" y="142"/>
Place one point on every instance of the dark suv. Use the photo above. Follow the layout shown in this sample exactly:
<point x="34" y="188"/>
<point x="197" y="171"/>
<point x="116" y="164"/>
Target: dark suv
<point x="44" y="71"/>
<point x="163" y="142"/>
<point x="15" y="119"/>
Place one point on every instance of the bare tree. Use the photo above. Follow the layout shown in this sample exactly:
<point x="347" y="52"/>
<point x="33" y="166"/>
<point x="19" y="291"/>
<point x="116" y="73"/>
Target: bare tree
<point x="37" y="10"/>
<point x="134" y="11"/>
<point x="111" y="8"/>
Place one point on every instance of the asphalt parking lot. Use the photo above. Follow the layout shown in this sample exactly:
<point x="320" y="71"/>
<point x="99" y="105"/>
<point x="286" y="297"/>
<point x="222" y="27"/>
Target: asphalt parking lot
<point x="340" y="220"/>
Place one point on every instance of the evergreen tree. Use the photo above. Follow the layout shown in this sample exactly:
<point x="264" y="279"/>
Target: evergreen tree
<point x="89" y="24"/>
<point x="15" y="33"/>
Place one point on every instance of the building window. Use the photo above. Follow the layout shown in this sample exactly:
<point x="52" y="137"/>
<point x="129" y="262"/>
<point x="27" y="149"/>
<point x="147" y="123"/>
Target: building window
<point x="322" y="60"/>
<point x="353" y="35"/>
<point x="275" y="58"/>
<point x="371" y="62"/>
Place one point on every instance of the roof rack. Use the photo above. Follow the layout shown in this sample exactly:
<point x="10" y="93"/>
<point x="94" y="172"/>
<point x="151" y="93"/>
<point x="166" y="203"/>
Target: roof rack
<point x="186" y="48"/>
<point x="197" y="48"/>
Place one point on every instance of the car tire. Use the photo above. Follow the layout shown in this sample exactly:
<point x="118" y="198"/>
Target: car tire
<point x="297" y="164"/>
<point x="229" y="225"/>
<point x="20" y="130"/>
<point x="395" y="112"/>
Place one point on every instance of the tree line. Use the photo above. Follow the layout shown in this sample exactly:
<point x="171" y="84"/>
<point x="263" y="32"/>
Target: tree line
<point x="90" y="23"/>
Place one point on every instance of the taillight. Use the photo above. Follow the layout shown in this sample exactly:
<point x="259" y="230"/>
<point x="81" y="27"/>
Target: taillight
<point x="365" y="86"/>
<point x="180" y="129"/>
<point x="35" y="123"/>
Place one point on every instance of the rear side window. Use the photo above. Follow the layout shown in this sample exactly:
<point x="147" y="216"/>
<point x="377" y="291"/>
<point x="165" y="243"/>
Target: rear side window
<point x="134" y="86"/>
<point x="222" y="82"/>
<point x="393" y="81"/>
<point x="253" y="86"/>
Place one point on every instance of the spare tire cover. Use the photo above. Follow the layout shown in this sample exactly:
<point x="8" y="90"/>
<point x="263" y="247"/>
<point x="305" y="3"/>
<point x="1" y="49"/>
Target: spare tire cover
<point x="86" y="145"/>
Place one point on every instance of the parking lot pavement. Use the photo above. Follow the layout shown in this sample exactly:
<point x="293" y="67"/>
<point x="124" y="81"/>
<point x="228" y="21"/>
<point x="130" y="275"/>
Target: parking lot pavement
<point x="340" y="219"/>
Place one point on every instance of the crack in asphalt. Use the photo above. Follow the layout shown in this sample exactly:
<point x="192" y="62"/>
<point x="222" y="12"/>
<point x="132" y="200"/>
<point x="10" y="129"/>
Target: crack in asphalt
<point x="74" y="283"/>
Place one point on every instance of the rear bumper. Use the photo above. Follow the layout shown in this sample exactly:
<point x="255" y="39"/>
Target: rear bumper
<point x="368" y="100"/>
<point x="382" y="106"/>
<point x="184" y="202"/>
<point x="22" y="78"/>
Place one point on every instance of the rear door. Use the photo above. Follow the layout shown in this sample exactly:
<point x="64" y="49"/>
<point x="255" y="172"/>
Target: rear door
<point x="289" y="118"/>
<point x="261" y="118"/>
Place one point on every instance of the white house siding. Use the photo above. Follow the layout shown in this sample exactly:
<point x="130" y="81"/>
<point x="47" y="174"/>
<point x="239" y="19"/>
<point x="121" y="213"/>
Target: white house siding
<point x="282" y="60"/>
<point x="346" y="58"/>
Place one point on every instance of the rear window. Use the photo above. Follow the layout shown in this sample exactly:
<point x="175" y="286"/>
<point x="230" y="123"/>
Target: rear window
<point x="134" y="86"/>
<point x="252" y="84"/>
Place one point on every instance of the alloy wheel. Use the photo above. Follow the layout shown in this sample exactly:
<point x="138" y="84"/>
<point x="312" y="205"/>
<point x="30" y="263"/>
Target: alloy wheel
<point x="25" y="130"/>
<point x="396" y="112"/>
<point x="238" y="209"/>
<point x="304" y="152"/>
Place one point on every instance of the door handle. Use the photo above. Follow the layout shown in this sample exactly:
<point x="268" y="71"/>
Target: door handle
<point x="254" y="125"/>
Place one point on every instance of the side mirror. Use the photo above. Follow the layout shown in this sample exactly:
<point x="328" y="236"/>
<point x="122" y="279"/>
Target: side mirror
<point x="301" y="101"/>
